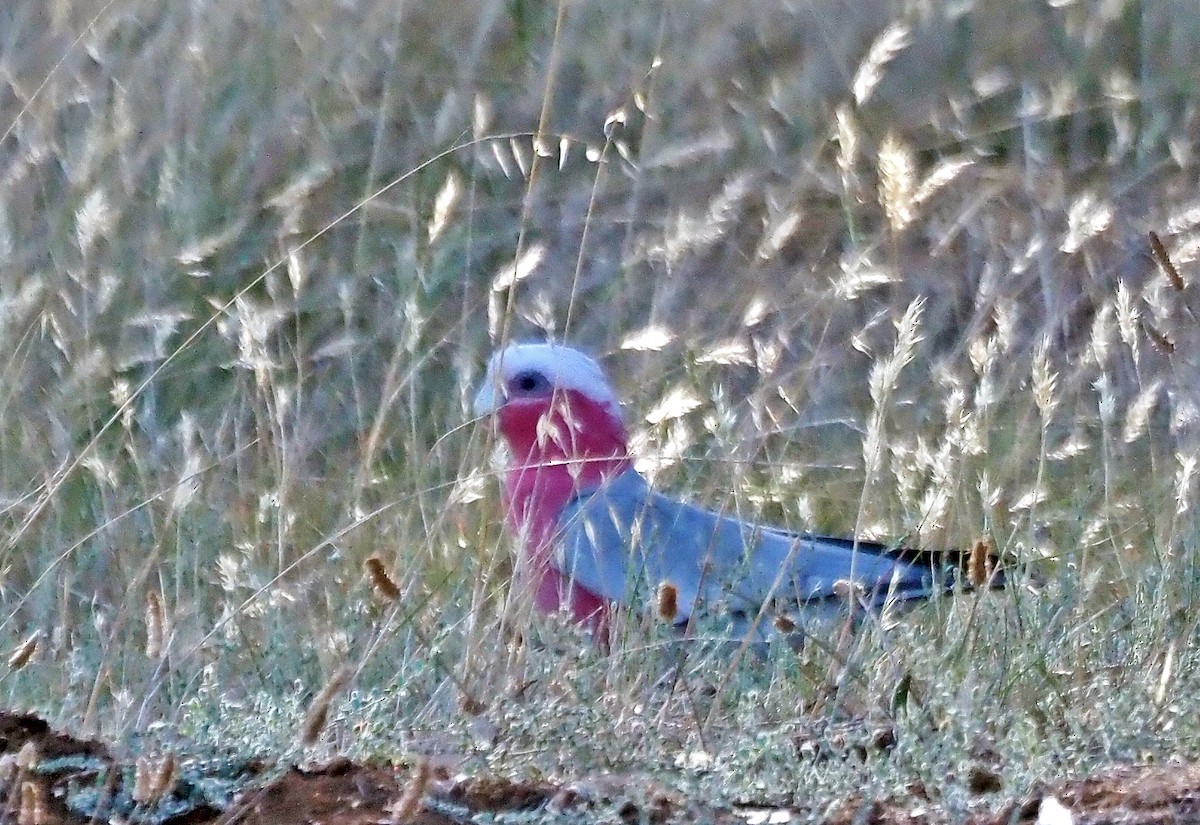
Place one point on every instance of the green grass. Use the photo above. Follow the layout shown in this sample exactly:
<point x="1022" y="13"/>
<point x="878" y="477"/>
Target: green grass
<point x="252" y="257"/>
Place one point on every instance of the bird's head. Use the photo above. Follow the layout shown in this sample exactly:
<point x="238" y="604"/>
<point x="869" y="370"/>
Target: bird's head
<point x="552" y="404"/>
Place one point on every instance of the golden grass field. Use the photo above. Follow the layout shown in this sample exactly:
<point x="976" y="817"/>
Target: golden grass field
<point x="917" y="271"/>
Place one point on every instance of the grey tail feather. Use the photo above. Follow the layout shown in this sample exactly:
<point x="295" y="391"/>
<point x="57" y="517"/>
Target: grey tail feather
<point x="950" y="567"/>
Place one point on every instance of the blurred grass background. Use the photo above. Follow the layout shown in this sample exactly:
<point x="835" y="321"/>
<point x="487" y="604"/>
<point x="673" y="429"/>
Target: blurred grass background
<point x="253" y="256"/>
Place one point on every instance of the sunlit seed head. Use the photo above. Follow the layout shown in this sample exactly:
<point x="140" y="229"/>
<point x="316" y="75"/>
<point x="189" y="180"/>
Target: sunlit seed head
<point x="1045" y="380"/>
<point x="1100" y="340"/>
<point x="520" y="269"/>
<point x="847" y="141"/>
<point x="1107" y="400"/>
<point x="726" y="353"/>
<point x="941" y="176"/>
<point x="1137" y="417"/>
<point x="94" y="219"/>
<point x="443" y="206"/>
<point x="897" y="182"/>
<point x="1183" y="481"/>
<point x="678" y="402"/>
<point x="1127" y="316"/>
<point x="894" y="39"/>
<point x="23" y="653"/>
<point x="521" y="155"/>
<point x="156" y="625"/>
<point x="648" y="339"/>
<point x="1087" y="217"/>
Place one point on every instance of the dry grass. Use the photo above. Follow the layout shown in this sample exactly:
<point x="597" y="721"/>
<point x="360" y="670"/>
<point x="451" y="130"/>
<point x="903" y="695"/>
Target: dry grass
<point x="864" y="267"/>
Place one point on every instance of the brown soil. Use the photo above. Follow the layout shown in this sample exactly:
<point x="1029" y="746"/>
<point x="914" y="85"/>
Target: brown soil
<point x="51" y="778"/>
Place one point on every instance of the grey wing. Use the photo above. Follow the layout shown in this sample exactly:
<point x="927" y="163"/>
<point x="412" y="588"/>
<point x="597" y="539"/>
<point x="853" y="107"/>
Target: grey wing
<point x="803" y="568"/>
<point x="593" y="548"/>
<point x="738" y="566"/>
<point x="623" y="540"/>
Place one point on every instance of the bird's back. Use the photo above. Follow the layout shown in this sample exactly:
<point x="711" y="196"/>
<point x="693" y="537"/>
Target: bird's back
<point x="622" y="540"/>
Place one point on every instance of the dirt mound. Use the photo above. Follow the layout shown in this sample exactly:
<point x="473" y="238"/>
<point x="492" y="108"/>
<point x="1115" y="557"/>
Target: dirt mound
<point x="51" y="778"/>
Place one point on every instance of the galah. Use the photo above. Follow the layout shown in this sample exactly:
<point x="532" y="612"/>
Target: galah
<point x="592" y="533"/>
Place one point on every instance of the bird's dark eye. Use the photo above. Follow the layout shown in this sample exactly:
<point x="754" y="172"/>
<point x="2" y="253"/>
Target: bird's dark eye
<point x="529" y="381"/>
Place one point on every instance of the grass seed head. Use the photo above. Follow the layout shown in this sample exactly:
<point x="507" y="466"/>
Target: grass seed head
<point x="1137" y="417"/>
<point x="380" y="580"/>
<point x="406" y="807"/>
<point x="155" y="625"/>
<point x="164" y="777"/>
<point x="28" y="756"/>
<point x="978" y="563"/>
<point x="1045" y="381"/>
<point x="897" y="182"/>
<point x="33" y="805"/>
<point x="1163" y="259"/>
<point x="849" y="591"/>
<point x="847" y="154"/>
<point x="668" y="602"/>
<point x="1127" y="317"/>
<point x="892" y="41"/>
<point x="784" y="624"/>
<point x="21" y="656"/>
<point x="1159" y="338"/>
<point x="143" y="780"/>
<point x="318" y="711"/>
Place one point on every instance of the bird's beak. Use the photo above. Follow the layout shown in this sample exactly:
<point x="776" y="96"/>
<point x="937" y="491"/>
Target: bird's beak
<point x="489" y="398"/>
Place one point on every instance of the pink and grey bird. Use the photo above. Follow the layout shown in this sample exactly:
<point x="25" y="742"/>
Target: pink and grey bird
<point x="592" y="534"/>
